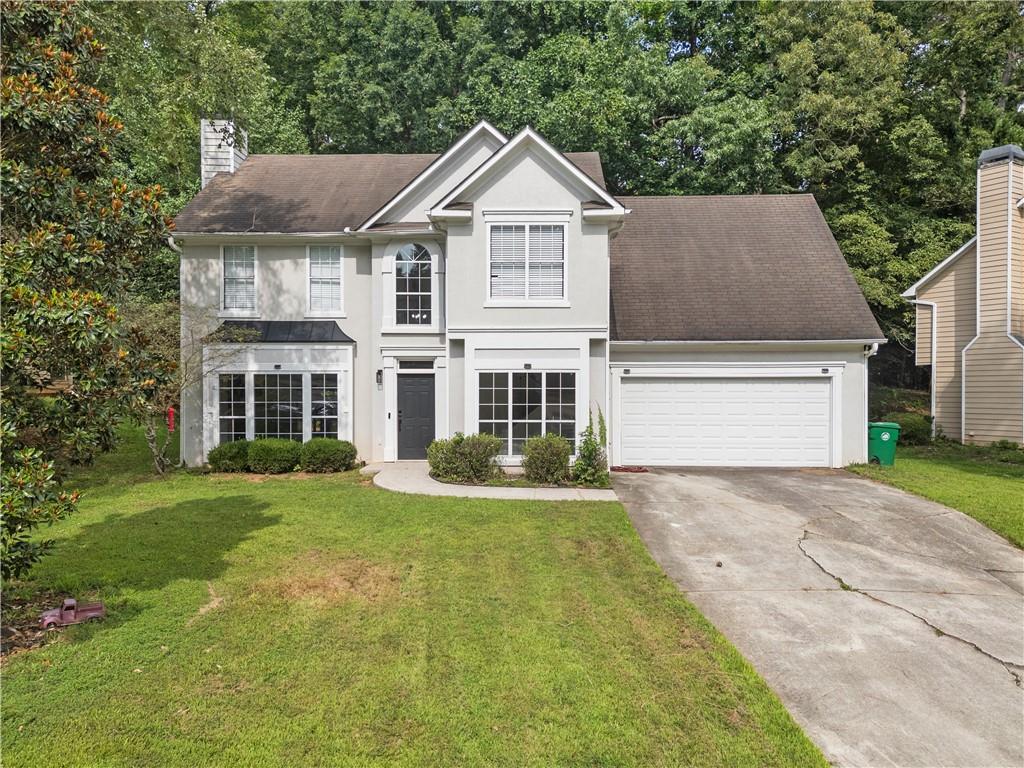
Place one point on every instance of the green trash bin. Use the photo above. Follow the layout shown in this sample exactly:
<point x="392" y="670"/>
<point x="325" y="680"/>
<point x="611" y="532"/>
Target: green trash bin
<point x="882" y="438"/>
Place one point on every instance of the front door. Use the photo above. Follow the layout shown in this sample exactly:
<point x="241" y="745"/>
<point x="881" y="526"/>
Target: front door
<point x="415" y="414"/>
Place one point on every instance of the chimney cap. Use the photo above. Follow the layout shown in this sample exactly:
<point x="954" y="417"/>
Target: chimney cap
<point x="1005" y="152"/>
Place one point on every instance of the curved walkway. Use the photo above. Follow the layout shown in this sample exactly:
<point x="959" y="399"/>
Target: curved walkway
<point x="413" y="477"/>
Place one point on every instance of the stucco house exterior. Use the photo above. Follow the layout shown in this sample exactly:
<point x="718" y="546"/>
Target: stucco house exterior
<point x="499" y="287"/>
<point x="970" y="314"/>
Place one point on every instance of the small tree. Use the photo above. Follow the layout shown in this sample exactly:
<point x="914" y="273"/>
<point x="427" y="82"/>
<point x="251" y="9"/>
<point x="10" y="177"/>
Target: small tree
<point x="72" y="234"/>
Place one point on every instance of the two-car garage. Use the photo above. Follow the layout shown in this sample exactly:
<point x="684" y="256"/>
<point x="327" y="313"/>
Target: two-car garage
<point x="749" y="421"/>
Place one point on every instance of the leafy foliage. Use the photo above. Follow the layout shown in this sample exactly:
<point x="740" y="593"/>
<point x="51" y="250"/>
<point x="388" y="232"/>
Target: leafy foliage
<point x="73" y="233"/>
<point x="273" y="455"/>
<point x="325" y="454"/>
<point x="464" y="458"/>
<point x="591" y="465"/>
<point x="229" y="457"/>
<point x="915" y="428"/>
<point x="546" y="459"/>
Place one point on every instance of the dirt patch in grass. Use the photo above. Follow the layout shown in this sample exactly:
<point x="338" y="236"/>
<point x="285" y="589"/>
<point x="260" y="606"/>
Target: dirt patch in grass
<point x="319" y="577"/>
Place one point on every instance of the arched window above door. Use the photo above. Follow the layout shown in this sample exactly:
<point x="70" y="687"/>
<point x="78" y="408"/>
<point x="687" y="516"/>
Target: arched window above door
<point x="413" y="285"/>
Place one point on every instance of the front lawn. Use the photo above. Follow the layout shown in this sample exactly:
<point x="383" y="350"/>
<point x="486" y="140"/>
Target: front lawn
<point x="970" y="479"/>
<point x="321" y="621"/>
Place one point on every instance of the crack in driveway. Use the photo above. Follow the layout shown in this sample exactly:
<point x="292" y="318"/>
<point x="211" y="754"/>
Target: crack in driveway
<point x="1012" y="669"/>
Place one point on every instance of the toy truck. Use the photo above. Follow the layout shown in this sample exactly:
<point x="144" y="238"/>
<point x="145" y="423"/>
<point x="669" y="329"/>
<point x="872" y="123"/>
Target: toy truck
<point x="70" y="612"/>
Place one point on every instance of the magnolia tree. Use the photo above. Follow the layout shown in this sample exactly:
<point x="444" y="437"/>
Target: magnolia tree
<point x="72" y="234"/>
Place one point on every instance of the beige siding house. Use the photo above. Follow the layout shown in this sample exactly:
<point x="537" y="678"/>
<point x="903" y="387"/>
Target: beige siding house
<point x="970" y="314"/>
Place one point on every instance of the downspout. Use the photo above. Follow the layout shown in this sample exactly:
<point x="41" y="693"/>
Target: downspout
<point x="931" y="358"/>
<point x="870" y="350"/>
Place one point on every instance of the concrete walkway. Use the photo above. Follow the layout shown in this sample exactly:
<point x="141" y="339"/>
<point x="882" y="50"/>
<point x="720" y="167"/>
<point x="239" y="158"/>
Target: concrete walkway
<point x="891" y="627"/>
<point x="413" y="477"/>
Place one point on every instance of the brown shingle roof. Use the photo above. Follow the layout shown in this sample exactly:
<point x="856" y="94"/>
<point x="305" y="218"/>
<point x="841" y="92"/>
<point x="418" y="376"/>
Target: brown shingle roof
<point x="724" y="268"/>
<point x="312" y="193"/>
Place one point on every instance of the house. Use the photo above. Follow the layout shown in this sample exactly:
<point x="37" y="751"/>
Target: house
<point x="499" y="287"/>
<point x="970" y="314"/>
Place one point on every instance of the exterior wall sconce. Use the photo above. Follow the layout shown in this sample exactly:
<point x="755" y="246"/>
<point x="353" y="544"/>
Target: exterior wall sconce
<point x="380" y="376"/>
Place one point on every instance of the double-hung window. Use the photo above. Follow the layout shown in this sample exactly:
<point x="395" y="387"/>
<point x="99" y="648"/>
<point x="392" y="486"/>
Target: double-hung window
<point x="239" y="278"/>
<point x="527" y="261"/>
<point x="413" y="288"/>
<point x="518" y="405"/>
<point x="325" y="279"/>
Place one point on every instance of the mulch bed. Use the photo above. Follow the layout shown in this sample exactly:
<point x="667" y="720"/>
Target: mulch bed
<point x="20" y="629"/>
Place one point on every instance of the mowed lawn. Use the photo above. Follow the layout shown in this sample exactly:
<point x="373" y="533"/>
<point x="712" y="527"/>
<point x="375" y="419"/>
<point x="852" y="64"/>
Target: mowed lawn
<point x="322" y="621"/>
<point x="970" y="479"/>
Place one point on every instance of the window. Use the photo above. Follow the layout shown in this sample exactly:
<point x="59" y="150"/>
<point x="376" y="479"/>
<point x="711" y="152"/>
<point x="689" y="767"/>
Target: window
<point x="518" y="405"/>
<point x="324" y="405"/>
<point x="324" y="278"/>
<point x="527" y="261"/>
<point x="232" y="406"/>
<point x="277" y="400"/>
<point x="412" y="285"/>
<point x="240" y="278"/>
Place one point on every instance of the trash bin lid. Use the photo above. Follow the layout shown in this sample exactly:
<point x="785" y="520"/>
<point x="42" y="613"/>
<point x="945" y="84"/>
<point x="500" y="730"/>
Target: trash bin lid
<point x="884" y="424"/>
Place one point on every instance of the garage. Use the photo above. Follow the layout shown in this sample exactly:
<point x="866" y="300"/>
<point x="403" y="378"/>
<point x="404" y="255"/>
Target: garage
<point x="737" y="421"/>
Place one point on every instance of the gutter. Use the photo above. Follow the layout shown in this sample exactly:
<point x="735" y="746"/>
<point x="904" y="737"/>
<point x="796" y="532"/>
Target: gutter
<point x="934" y="344"/>
<point x="173" y="245"/>
<point x="711" y="342"/>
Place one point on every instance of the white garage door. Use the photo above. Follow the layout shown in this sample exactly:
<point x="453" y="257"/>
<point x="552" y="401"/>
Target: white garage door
<point x="729" y="422"/>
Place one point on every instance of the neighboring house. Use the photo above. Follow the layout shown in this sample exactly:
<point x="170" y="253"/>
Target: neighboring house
<point x="970" y="314"/>
<point x="499" y="287"/>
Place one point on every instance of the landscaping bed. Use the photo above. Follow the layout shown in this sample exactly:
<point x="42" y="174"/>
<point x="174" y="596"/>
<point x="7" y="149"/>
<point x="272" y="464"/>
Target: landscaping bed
<point x="324" y="621"/>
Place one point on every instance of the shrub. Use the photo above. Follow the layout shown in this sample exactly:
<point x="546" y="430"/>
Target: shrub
<point x="325" y="454"/>
<point x="546" y="459"/>
<point x="273" y="455"/>
<point x="1007" y="452"/>
<point x="915" y="429"/>
<point x="591" y="467"/>
<point x="230" y="457"/>
<point x="465" y="458"/>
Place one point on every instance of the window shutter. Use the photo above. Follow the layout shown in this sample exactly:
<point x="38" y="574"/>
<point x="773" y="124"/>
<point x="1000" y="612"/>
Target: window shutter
<point x="547" y="261"/>
<point x="508" y="261"/>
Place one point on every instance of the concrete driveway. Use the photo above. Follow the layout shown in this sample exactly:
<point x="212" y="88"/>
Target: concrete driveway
<point x="891" y="627"/>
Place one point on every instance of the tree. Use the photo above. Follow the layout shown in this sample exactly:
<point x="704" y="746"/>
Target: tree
<point x="72" y="233"/>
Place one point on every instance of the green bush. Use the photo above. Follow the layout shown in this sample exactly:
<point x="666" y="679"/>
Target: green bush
<point x="591" y="466"/>
<point x="465" y="458"/>
<point x="273" y="455"/>
<point x="1007" y="452"/>
<point x="325" y="454"/>
<point x="546" y="459"/>
<point x="915" y="429"/>
<point x="230" y="457"/>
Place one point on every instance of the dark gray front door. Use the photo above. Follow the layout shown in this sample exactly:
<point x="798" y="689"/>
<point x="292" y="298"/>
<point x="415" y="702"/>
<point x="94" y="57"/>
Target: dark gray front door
<point x="415" y="415"/>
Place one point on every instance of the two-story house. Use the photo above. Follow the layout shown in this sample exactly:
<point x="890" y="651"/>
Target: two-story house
<point x="970" y="314"/>
<point x="499" y="287"/>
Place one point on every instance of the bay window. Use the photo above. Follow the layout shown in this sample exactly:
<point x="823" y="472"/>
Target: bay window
<point x="518" y="405"/>
<point x="293" y="406"/>
<point x="277" y="405"/>
<point x="527" y="261"/>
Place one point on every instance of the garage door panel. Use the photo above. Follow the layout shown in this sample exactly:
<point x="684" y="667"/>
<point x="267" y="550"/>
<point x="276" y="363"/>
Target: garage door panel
<point x="726" y="421"/>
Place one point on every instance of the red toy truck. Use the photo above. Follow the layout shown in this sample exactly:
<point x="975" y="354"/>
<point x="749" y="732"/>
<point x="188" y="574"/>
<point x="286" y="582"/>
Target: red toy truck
<point x="70" y="612"/>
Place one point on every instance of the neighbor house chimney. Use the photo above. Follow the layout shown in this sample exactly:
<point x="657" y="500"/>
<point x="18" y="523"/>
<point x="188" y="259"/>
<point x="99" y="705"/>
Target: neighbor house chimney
<point x="222" y="148"/>
<point x="1001" y="241"/>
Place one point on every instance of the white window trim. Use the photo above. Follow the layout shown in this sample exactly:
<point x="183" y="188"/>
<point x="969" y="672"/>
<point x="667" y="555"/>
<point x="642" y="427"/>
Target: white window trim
<point x="524" y="301"/>
<point x="331" y="313"/>
<point x="508" y="455"/>
<point x="250" y="314"/>
<point x="388" y="324"/>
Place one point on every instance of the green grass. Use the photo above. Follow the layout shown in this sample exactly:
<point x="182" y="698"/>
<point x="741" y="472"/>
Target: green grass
<point x="970" y="479"/>
<point x="295" y="621"/>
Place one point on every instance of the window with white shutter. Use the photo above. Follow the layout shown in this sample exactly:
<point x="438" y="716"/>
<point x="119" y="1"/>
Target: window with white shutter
<point x="240" y="278"/>
<point x="527" y="261"/>
<point x="324" y="278"/>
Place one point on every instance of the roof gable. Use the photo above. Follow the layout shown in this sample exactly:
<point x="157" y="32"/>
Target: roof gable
<point x="526" y="140"/>
<point x="483" y="139"/>
<point x="939" y="268"/>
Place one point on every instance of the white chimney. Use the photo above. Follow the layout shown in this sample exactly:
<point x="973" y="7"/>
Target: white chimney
<point x="222" y="148"/>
